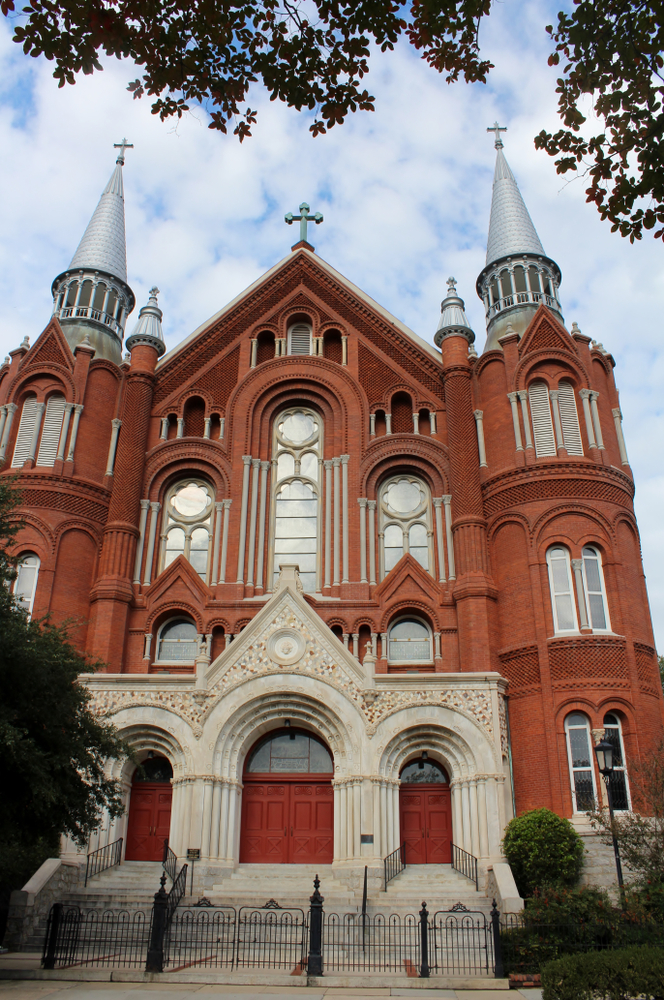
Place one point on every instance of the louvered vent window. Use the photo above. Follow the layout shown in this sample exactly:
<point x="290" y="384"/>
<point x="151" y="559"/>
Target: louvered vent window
<point x="25" y="431"/>
<point x="299" y="339"/>
<point x="569" y="419"/>
<point x="48" y="447"/>
<point x="540" y="411"/>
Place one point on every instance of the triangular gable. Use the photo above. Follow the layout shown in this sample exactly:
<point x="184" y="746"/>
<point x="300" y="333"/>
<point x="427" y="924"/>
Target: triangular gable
<point x="50" y="348"/>
<point x="181" y="572"/>
<point x="407" y="579"/>
<point x="287" y="636"/>
<point x="546" y="333"/>
<point x="299" y="273"/>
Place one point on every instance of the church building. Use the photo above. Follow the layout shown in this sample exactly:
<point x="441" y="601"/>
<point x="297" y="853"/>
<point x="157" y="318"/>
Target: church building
<point x="352" y="590"/>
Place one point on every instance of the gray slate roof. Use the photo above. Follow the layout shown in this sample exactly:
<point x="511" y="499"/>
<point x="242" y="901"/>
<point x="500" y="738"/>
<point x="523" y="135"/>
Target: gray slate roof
<point x="511" y="230"/>
<point x="103" y="247"/>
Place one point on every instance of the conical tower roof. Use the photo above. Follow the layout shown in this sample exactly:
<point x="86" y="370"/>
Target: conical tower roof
<point x="103" y="247"/>
<point x="511" y="230"/>
<point x="453" y="319"/>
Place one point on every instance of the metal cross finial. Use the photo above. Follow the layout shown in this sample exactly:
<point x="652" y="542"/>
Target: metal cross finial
<point x="451" y="286"/>
<point x="122" y="146"/>
<point x="154" y="292"/>
<point x="497" y="129"/>
<point x="303" y="218"/>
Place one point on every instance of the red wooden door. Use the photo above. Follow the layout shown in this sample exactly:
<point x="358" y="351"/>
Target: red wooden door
<point x="149" y="821"/>
<point x="287" y="822"/>
<point x="426" y="824"/>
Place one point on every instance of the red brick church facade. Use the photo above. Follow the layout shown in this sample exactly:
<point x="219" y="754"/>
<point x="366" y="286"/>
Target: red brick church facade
<point x="481" y="503"/>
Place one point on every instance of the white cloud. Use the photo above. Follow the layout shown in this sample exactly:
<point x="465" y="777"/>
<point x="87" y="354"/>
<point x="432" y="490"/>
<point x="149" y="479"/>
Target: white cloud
<point x="405" y="193"/>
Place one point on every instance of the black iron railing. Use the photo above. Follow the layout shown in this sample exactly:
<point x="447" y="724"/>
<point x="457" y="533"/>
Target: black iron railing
<point x="461" y="943"/>
<point x="103" y="858"/>
<point x="178" y="890"/>
<point x="109" y="938"/>
<point x="394" y="863"/>
<point x="271" y="937"/>
<point x="170" y="862"/>
<point x="465" y="864"/>
<point x="377" y="943"/>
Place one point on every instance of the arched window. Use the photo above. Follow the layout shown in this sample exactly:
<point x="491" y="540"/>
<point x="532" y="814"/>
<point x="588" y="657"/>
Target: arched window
<point x="579" y="753"/>
<point x="187" y="525"/>
<point x="155" y="770"/>
<point x="569" y="419"/>
<point x="619" y="783"/>
<point x="562" y="593"/>
<point x="593" y="580"/>
<point x="540" y="411"/>
<point x="27" y="431"/>
<point x="290" y="751"/>
<point x="409" y="641"/>
<point x="297" y="450"/>
<point x="51" y="429"/>
<point x="423" y="772"/>
<point x="299" y="339"/>
<point x="25" y="584"/>
<point x="405" y="522"/>
<point x="177" y="642"/>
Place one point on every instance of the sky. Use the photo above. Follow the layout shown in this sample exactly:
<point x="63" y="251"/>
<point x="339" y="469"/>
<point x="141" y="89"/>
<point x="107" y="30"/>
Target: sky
<point x="405" y="192"/>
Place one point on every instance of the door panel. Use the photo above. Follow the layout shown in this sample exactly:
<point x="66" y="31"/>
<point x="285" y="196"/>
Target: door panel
<point x="264" y="818"/>
<point x="438" y="827"/>
<point x="149" y="821"/>
<point x="426" y="824"/>
<point x="287" y="822"/>
<point x="411" y="802"/>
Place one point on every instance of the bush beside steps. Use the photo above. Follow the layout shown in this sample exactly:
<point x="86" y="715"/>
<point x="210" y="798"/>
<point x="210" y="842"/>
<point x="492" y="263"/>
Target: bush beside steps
<point x="606" y="975"/>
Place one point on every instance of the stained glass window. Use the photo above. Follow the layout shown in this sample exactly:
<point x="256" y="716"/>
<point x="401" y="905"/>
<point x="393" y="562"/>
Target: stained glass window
<point x="297" y="452"/>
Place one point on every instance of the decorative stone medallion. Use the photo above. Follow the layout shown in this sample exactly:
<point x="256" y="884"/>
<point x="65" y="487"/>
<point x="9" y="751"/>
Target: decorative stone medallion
<point x="285" y="646"/>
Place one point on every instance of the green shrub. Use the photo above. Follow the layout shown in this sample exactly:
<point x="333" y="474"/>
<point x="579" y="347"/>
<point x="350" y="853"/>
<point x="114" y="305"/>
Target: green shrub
<point x="543" y="850"/>
<point x="606" y="975"/>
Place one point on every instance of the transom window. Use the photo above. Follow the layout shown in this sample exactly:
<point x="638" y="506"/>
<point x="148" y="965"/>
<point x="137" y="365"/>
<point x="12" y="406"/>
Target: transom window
<point x="423" y="772"/>
<point x="156" y="770"/>
<point x="579" y="751"/>
<point x="619" y="783"/>
<point x="562" y="593"/>
<point x="187" y="525"/>
<point x="178" y="642"/>
<point x="297" y="451"/>
<point x="409" y="641"/>
<point x="405" y="522"/>
<point x="290" y="751"/>
<point x="25" y="584"/>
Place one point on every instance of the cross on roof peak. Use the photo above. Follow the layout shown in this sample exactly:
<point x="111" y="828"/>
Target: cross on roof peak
<point x="122" y="146"/>
<point x="497" y="129"/>
<point x="303" y="218"/>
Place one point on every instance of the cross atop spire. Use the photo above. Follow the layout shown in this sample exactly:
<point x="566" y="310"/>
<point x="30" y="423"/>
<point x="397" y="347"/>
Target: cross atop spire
<point x="303" y="218"/>
<point x="497" y="129"/>
<point x="122" y="146"/>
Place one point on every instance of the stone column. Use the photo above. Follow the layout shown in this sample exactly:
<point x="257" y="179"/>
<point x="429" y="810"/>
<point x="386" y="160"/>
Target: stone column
<point x="416" y="422"/>
<point x="482" y="817"/>
<point x="585" y="399"/>
<point x="216" y="819"/>
<point x="39" y="412"/>
<point x="115" y="430"/>
<point x="148" y="645"/>
<point x="222" y="427"/>
<point x="163" y="431"/>
<point x="260" y="584"/>
<point x="371" y="504"/>
<point x="388" y="422"/>
<point x="223" y="839"/>
<point x="180" y="428"/>
<point x="344" y="350"/>
<point x="206" y="428"/>
<point x="336" y="807"/>
<point x="432" y="422"/>
<point x="617" y="420"/>
<point x="447" y="500"/>
<point x="479" y="423"/>
<point x="327" y="464"/>
<point x="254" y="352"/>
<point x="216" y="542"/>
<point x="357" y="813"/>
<point x="145" y="504"/>
<point x="243" y="518"/>
<point x="512" y="396"/>
<point x="377" y="829"/>
<point x="596" y="420"/>
<point x="438" y="507"/>
<point x="356" y="645"/>
<point x="206" y="827"/>
<point x="523" y="399"/>
<point x="63" y="432"/>
<point x="78" y="410"/>
<point x="224" y="541"/>
<point x="155" y="507"/>
<point x="11" y="410"/>
<point x="363" y="539"/>
<point x="372" y="425"/>
<point x="577" y="566"/>
<point x="344" y="515"/>
<point x="560" y="441"/>
<point x="336" y="463"/>
<point x="255" y="465"/>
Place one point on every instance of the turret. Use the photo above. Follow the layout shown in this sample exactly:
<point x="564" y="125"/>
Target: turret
<point x="518" y="276"/>
<point x="92" y="298"/>
<point x="453" y="319"/>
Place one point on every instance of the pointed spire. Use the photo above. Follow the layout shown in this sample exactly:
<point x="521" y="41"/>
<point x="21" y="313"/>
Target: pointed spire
<point x="453" y="318"/>
<point x="103" y="247"/>
<point x="148" y="328"/>
<point x="511" y="230"/>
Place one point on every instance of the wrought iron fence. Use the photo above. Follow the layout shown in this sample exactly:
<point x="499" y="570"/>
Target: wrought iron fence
<point x="461" y="943"/>
<point x="103" y="858"/>
<point x="201" y="938"/>
<point x="355" y="942"/>
<point x="394" y="863"/>
<point x="272" y="937"/>
<point x="465" y="864"/>
<point x="102" y="938"/>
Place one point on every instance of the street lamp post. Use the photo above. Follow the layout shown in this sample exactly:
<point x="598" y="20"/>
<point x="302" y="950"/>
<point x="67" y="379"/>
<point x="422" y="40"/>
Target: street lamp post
<point x="604" y="754"/>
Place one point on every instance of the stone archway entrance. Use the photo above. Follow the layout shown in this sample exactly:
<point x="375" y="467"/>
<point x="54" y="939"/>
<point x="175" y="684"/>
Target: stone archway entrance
<point x="287" y="801"/>
<point x="425" y="813"/>
<point x="149" y="821"/>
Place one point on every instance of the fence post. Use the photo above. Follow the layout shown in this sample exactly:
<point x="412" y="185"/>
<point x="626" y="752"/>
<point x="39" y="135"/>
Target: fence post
<point x="55" y="918"/>
<point x="497" y="943"/>
<point x="155" y="958"/>
<point x="424" y="942"/>
<point x="315" y="960"/>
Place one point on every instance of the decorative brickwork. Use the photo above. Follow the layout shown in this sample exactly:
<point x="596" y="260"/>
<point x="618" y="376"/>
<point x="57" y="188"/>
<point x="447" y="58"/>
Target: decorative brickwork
<point x="572" y="659"/>
<point x="553" y="489"/>
<point x="220" y="380"/>
<point x="521" y="668"/>
<point x="50" y="351"/>
<point x="376" y="378"/>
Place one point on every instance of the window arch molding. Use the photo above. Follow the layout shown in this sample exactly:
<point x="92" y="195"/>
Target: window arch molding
<point x="409" y="641"/>
<point x="187" y="524"/>
<point x="404" y="521"/>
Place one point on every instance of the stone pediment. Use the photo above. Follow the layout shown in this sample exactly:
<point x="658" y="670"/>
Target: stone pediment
<point x="407" y="579"/>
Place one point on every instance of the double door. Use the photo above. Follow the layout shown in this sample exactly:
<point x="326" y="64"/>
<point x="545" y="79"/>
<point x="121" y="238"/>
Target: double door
<point x="149" y="821"/>
<point x="287" y="822"/>
<point x="426" y="823"/>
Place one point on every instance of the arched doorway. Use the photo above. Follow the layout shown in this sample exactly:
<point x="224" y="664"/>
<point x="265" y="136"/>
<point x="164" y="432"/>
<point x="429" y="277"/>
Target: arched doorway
<point x="287" y="801"/>
<point x="425" y="812"/>
<point x="149" y="821"/>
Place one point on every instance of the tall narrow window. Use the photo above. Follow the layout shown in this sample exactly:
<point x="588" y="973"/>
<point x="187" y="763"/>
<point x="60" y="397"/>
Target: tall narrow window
<point x="187" y="525"/>
<point x="579" y="751"/>
<point x="297" y="452"/>
<point x="26" y="428"/>
<point x="569" y="419"/>
<point x="299" y="339"/>
<point x="562" y="593"/>
<point x="25" y="584"/>
<point x="593" y="579"/>
<point x="540" y="410"/>
<point x="52" y="426"/>
<point x="619" y="783"/>
<point x="405" y="522"/>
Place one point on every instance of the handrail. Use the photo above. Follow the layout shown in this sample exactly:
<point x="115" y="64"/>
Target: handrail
<point x="394" y="864"/>
<point x="364" y="911"/>
<point x="103" y="858"/>
<point x="465" y="864"/>
<point x="178" y="890"/>
<point x="170" y="862"/>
